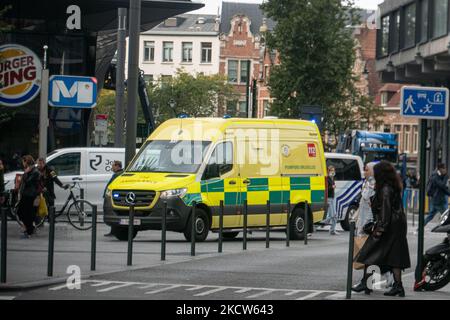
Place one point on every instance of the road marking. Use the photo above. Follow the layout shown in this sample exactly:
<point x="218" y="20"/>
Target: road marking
<point x="206" y="293"/>
<point x="311" y="295"/>
<point x="196" y="288"/>
<point x="7" y="297"/>
<point x="260" y="294"/>
<point x="148" y="286"/>
<point x="164" y="289"/>
<point x="116" y="287"/>
<point x="292" y="293"/>
<point x="64" y="286"/>
<point x="244" y="290"/>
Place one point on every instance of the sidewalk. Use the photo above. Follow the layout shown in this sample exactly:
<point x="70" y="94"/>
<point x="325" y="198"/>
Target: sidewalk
<point x="27" y="258"/>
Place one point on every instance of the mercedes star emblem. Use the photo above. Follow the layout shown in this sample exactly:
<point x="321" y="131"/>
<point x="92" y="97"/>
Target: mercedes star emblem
<point x="130" y="198"/>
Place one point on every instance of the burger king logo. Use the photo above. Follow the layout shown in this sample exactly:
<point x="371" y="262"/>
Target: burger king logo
<point x="20" y="75"/>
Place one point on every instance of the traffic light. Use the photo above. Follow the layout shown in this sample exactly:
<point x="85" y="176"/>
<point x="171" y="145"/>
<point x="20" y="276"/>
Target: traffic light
<point x="313" y="114"/>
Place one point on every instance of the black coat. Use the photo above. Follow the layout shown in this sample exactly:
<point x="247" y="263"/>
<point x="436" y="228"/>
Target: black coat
<point x="30" y="184"/>
<point x="391" y="249"/>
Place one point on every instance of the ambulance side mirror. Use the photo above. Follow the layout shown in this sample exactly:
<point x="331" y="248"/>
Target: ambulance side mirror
<point x="212" y="171"/>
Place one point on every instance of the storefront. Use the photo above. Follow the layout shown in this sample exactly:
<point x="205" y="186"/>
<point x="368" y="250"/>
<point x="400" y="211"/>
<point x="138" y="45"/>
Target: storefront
<point x="81" y="40"/>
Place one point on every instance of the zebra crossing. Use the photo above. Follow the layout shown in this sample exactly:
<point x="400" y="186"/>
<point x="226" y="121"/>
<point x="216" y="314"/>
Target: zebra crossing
<point x="187" y="291"/>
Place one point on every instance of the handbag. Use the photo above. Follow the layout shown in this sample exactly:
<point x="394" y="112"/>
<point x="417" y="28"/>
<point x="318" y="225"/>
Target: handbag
<point x="369" y="227"/>
<point x="42" y="209"/>
<point x="359" y="243"/>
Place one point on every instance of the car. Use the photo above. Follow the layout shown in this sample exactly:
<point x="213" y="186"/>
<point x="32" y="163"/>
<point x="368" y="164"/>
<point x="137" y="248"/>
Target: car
<point x="349" y="180"/>
<point x="91" y="167"/>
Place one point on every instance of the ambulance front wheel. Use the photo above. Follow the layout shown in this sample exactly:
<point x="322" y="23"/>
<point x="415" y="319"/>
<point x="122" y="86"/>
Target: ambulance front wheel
<point x="201" y="226"/>
<point x="297" y="224"/>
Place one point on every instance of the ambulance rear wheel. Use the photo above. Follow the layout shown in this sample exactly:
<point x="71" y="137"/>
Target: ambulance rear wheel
<point x="297" y="225"/>
<point x="201" y="226"/>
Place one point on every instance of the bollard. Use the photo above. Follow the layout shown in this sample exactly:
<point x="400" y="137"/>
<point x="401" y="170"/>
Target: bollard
<point x="163" y="233"/>
<point x="288" y="216"/>
<point x="221" y="227"/>
<point x="350" y="260"/>
<point x="4" y="246"/>
<point x="94" y="238"/>
<point x="130" y="237"/>
<point x="268" y="225"/>
<point x="244" y="244"/>
<point x="51" y="241"/>
<point x="193" y="229"/>
<point x="306" y="228"/>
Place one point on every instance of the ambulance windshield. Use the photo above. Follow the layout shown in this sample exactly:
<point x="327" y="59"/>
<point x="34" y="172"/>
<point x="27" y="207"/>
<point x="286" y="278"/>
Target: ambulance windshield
<point x="170" y="156"/>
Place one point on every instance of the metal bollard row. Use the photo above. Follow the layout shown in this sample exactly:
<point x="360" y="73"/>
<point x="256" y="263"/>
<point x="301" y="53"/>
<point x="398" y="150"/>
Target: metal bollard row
<point x="350" y="260"/>
<point x="4" y="239"/>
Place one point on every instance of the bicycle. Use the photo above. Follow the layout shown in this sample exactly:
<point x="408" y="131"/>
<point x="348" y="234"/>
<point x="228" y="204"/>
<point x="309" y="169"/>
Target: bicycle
<point x="79" y="211"/>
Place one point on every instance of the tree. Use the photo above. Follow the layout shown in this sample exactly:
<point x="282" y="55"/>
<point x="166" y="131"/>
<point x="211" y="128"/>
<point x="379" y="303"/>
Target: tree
<point x="317" y="56"/>
<point x="197" y="96"/>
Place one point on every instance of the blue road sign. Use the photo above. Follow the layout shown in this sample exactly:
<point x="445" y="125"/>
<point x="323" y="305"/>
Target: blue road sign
<point x="72" y="92"/>
<point x="424" y="103"/>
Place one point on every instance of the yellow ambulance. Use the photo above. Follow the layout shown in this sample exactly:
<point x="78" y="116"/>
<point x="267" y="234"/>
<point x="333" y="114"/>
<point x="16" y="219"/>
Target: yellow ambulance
<point x="233" y="161"/>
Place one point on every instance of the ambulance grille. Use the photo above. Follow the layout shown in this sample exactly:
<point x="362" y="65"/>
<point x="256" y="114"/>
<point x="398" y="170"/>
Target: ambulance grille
<point x="142" y="198"/>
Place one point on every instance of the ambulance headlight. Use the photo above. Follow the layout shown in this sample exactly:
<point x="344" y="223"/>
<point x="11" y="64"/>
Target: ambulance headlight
<point x="173" y="193"/>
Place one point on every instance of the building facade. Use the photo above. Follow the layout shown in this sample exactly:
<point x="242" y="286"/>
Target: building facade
<point x="413" y="44"/>
<point x="188" y="42"/>
<point x="242" y="57"/>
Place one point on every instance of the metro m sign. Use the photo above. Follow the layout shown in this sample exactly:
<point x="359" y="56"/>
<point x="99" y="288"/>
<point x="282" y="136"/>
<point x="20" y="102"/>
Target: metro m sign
<point x="73" y="92"/>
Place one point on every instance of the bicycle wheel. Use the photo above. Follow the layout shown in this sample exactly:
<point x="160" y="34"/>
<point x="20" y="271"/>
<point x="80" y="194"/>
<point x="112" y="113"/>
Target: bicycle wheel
<point x="80" y="214"/>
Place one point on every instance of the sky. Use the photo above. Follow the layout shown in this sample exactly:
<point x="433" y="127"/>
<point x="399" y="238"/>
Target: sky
<point x="211" y="6"/>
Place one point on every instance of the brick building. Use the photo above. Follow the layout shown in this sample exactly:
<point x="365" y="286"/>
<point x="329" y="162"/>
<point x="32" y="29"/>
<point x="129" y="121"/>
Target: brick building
<point x="241" y="54"/>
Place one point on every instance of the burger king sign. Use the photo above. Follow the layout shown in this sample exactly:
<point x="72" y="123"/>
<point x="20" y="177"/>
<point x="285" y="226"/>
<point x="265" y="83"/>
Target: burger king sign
<point x="20" y="75"/>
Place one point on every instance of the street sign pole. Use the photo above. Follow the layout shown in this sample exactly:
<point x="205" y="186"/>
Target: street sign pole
<point x="43" y="112"/>
<point x="421" y="233"/>
<point x="120" y="76"/>
<point x="133" y="78"/>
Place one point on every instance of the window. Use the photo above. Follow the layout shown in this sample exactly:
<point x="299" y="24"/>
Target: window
<point x="384" y="99"/>
<point x="238" y="71"/>
<point x="148" y="79"/>
<point x="415" y="139"/>
<point x="266" y="107"/>
<point x="410" y="25"/>
<point x="398" y="131"/>
<point x="231" y="108"/>
<point x="424" y="20"/>
<point x="233" y="71"/>
<point x="149" y="51"/>
<point x="187" y="52"/>
<point x="67" y="165"/>
<point x="406" y="138"/>
<point x="396" y="32"/>
<point x="242" y="108"/>
<point x="167" y="51"/>
<point x="440" y="15"/>
<point x="206" y="52"/>
<point x="384" y="43"/>
<point x="244" y="71"/>
<point x="346" y="169"/>
<point x="223" y="156"/>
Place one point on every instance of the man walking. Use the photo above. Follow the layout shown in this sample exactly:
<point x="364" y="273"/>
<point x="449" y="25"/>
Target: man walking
<point x="117" y="171"/>
<point x="438" y="192"/>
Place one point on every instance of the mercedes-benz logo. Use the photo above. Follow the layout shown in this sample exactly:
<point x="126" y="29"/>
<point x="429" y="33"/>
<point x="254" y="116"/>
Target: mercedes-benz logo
<point x="130" y="198"/>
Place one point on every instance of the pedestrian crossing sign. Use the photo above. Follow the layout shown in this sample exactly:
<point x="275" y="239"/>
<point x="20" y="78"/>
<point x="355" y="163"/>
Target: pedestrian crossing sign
<point x="424" y="103"/>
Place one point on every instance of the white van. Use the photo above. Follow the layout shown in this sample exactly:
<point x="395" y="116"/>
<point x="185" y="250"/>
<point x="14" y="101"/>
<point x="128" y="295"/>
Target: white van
<point x="90" y="166"/>
<point x="349" y="179"/>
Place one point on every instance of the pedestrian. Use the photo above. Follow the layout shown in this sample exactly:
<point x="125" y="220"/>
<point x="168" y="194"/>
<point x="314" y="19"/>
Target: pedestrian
<point x="48" y="178"/>
<point x="331" y="214"/>
<point x="117" y="170"/>
<point x="438" y="192"/>
<point x="365" y="214"/>
<point x="2" y="183"/>
<point x="387" y="245"/>
<point x="29" y="195"/>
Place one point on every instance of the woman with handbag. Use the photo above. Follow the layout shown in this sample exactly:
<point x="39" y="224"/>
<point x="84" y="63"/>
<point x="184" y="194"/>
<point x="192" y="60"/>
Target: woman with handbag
<point x="387" y="245"/>
<point x="29" y="195"/>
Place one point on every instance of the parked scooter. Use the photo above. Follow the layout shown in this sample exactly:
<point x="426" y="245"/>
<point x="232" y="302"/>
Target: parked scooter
<point x="436" y="262"/>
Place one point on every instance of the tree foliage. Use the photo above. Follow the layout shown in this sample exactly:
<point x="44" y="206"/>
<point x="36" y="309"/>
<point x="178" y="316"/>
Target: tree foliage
<point x="317" y="56"/>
